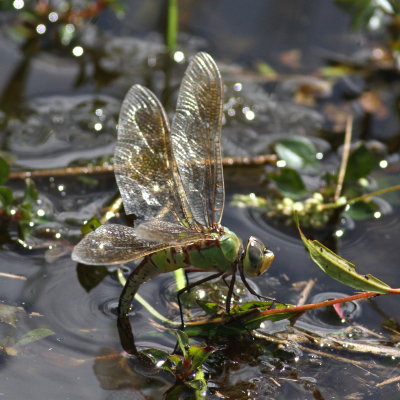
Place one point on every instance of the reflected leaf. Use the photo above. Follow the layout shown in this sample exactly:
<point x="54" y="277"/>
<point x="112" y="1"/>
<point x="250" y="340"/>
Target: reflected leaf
<point x="114" y="372"/>
<point x="175" y="391"/>
<point x="297" y="152"/>
<point x="90" y="276"/>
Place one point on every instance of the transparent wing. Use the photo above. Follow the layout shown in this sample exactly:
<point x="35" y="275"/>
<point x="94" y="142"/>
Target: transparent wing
<point x="117" y="244"/>
<point x="196" y="140"/>
<point x="144" y="165"/>
<point x="166" y="232"/>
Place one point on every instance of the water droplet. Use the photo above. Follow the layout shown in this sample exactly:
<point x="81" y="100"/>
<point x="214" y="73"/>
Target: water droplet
<point x="98" y="126"/>
<point x="250" y="115"/>
<point x="41" y="29"/>
<point x="53" y="17"/>
<point x="77" y="51"/>
<point x="179" y="57"/>
<point x="70" y="28"/>
<point x="281" y="163"/>
<point x="237" y="87"/>
<point x="383" y="164"/>
<point x="18" y="4"/>
<point x="339" y="233"/>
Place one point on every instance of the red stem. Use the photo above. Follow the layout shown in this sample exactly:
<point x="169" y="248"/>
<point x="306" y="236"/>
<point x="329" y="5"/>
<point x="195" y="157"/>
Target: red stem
<point x="306" y="307"/>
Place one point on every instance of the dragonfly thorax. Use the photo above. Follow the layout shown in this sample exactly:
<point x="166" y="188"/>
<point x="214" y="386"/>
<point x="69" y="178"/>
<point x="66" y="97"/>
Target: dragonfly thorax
<point x="256" y="258"/>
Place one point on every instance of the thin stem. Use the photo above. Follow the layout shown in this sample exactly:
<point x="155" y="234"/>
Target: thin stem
<point x="172" y="25"/>
<point x="111" y="210"/>
<point x="345" y="157"/>
<point x="306" y="307"/>
<point x="180" y="279"/>
<point x="372" y="194"/>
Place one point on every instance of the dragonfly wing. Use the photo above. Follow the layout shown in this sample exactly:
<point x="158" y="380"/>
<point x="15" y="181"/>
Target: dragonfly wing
<point x="163" y="231"/>
<point x="144" y="165"/>
<point x="118" y="244"/>
<point x="196" y="140"/>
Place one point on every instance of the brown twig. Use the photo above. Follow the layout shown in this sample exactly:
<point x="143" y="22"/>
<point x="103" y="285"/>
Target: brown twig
<point x="12" y="276"/>
<point x="102" y="169"/>
<point x="306" y="292"/>
<point x="388" y="381"/>
<point x="345" y="157"/>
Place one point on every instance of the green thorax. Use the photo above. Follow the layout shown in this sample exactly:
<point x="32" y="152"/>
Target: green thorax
<point x="213" y="255"/>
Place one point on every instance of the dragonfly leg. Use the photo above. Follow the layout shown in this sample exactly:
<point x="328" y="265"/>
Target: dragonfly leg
<point x="254" y="293"/>
<point x="231" y="287"/>
<point x="190" y="286"/>
<point x="234" y="295"/>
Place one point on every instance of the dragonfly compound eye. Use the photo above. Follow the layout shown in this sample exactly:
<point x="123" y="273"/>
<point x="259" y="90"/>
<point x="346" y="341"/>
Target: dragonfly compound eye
<point x="257" y="258"/>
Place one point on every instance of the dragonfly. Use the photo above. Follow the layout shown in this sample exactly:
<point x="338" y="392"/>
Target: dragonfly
<point x="171" y="179"/>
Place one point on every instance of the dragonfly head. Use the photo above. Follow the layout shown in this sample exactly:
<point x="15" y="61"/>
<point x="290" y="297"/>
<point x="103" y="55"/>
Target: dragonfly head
<point x="256" y="257"/>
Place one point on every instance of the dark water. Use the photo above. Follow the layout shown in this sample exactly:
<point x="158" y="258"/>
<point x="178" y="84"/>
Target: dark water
<point x="50" y="119"/>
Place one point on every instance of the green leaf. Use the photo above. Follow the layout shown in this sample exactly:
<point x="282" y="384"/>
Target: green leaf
<point x="340" y="269"/>
<point x="90" y="225"/>
<point x="199" y="355"/>
<point x="209" y="307"/>
<point x="266" y="70"/>
<point x="239" y="320"/>
<point x="250" y="305"/>
<point x="4" y="171"/>
<point x="361" y="163"/>
<point x="117" y="6"/>
<point x="31" y="194"/>
<point x="289" y="183"/>
<point x="199" y="385"/>
<point x="297" y="152"/>
<point x="6" y="196"/>
<point x="33" y="336"/>
<point x="362" y="210"/>
<point x="360" y="11"/>
<point x="160" y="359"/>
<point x="183" y="342"/>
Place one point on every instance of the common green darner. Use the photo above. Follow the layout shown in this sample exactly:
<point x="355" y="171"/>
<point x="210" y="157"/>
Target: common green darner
<point x="172" y="180"/>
